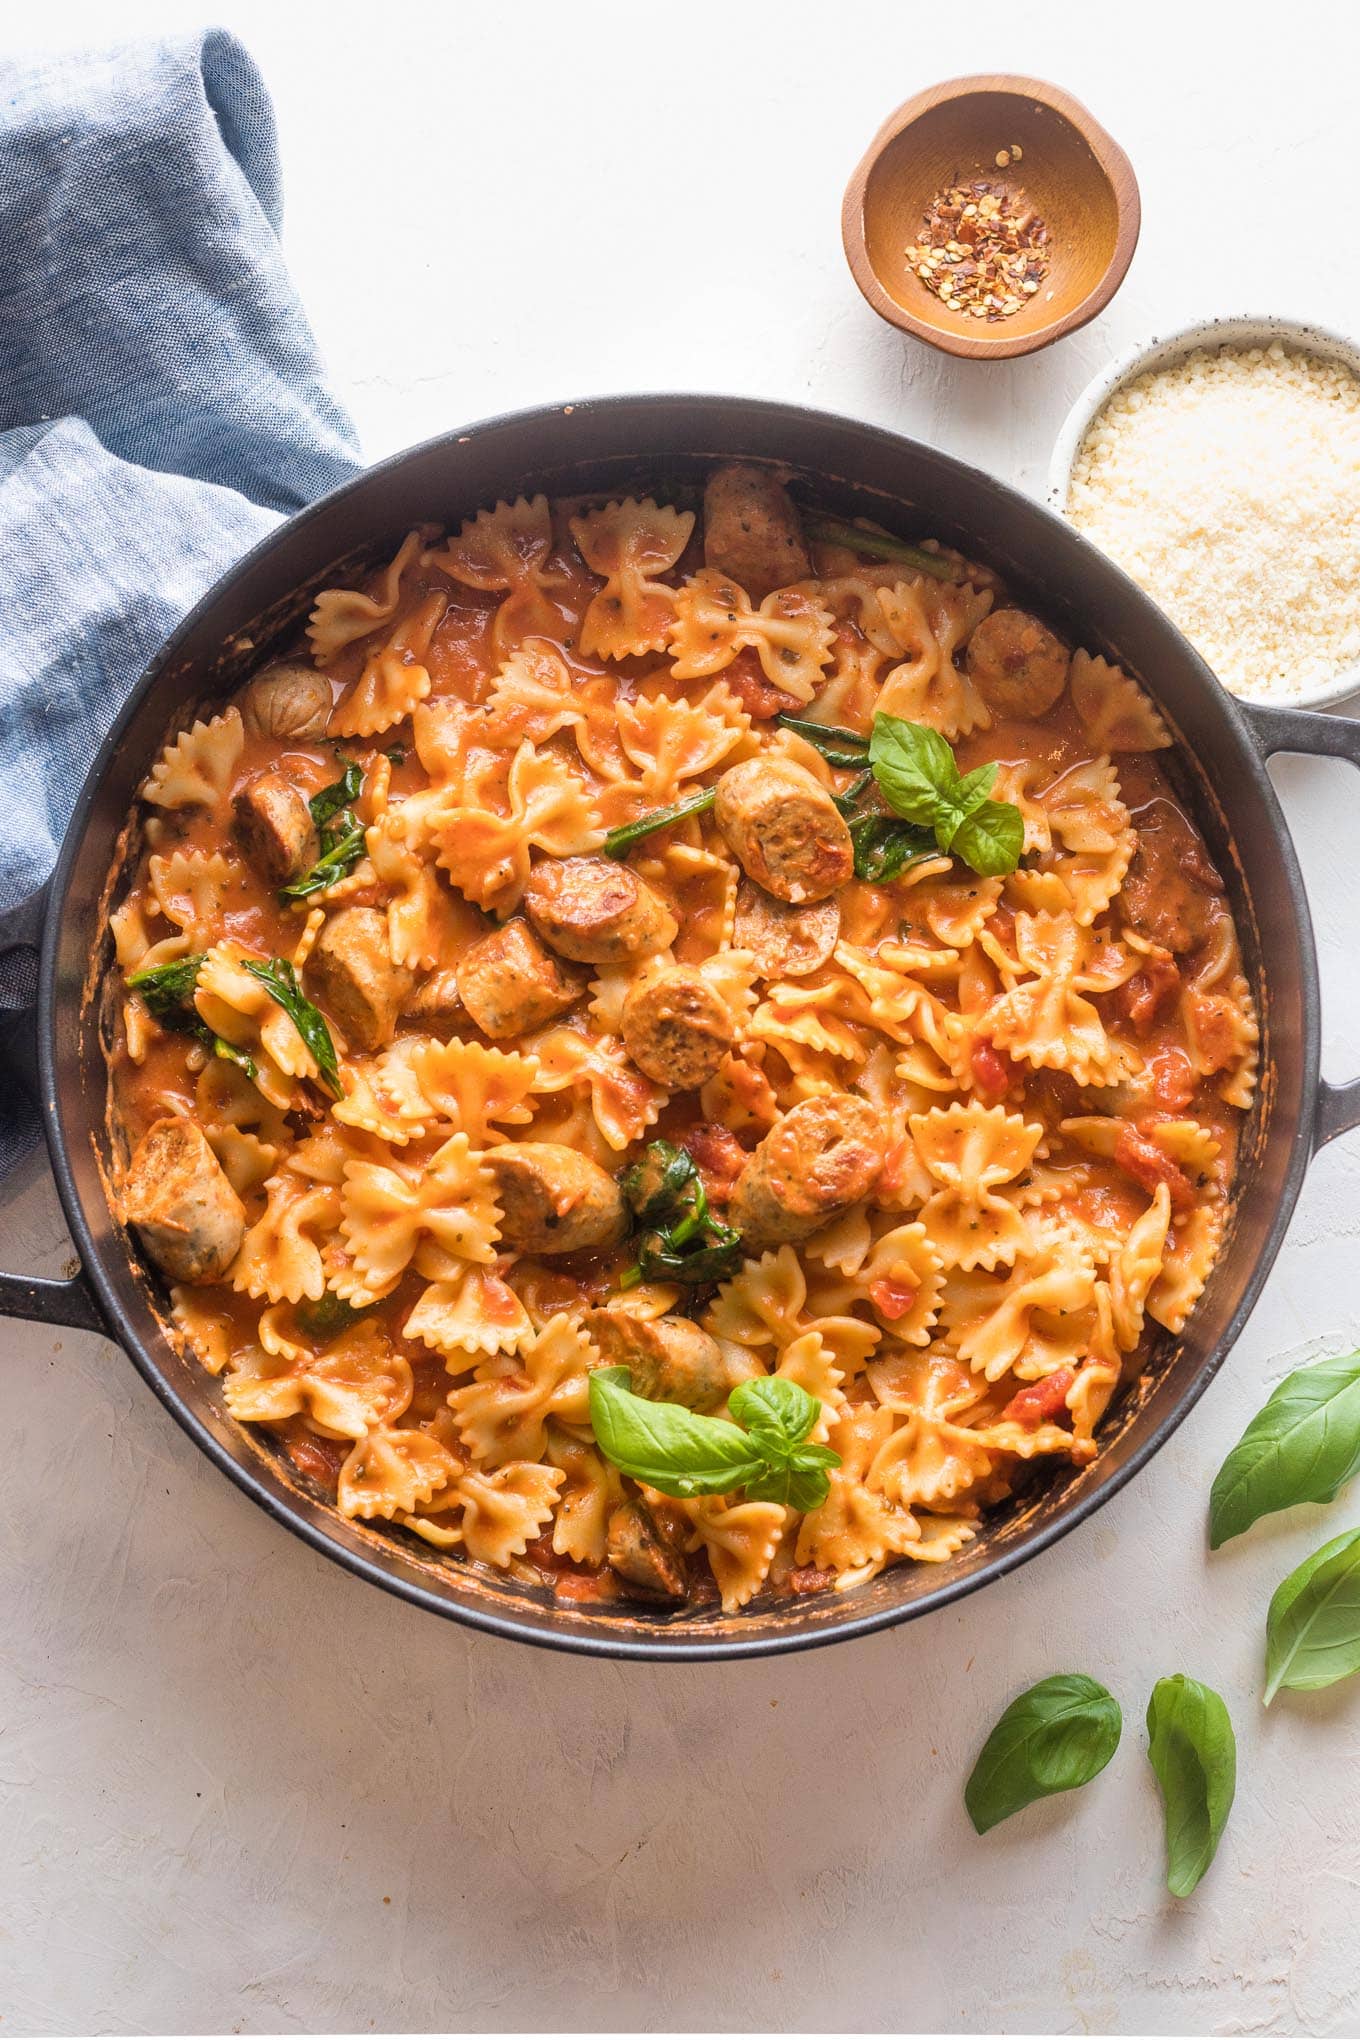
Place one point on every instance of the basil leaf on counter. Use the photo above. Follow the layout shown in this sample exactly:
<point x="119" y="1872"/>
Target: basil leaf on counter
<point x="1192" y="1748"/>
<point x="1055" y="1736"/>
<point x="920" y="781"/>
<point x="1302" y="1446"/>
<point x="1313" y="1624"/>
<point x="280" y="980"/>
<point x="681" y="1453"/>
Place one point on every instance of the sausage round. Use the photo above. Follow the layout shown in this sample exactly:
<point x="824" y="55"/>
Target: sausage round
<point x="1016" y="663"/>
<point x="287" y="699"/>
<point x="671" y="1359"/>
<point x="643" y="1556"/>
<point x="274" y="826"/>
<point x="554" y="1200"/>
<point x="596" y="911"/>
<point x="676" y="1028"/>
<point x="822" y="1157"/>
<point x="751" y="530"/>
<point x="784" y="829"/>
<point x="510" y="983"/>
<point x="191" y="1220"/>
<point x="362" y="987"/>
<point x="785" y="941"/>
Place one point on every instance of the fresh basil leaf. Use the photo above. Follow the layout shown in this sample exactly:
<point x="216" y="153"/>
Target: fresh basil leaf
<point x="395" y="754"/>
<point x="661" y="1260"/>
<point x="800" y="1482"/>
<point x="847" y="803"/>
<point x="339" y="794"/>
<point x="657" y="1181"/>
<point x="837" y="746"/>
<point x="280" y="980"/>
<point x="915" y="769"/>
<point x="327" y="1315"/>
<point x="886" y="846"/>
<point x="336" y="862"/>
<point x="1302" y="1446"/>
<point x="227" y="1051"/>
<point x="1192" y="1748"/>
<point x="620" y="841"/>
<point x="776" y="1411"/>
<point x="975" y="787"/>
<point x="667" y="1446"/>
<point x="167" y="991"/>
<point x="877" y="545"/>
<point x="991" y="839"/>
<point x="1053" y="1737"/>
<point x="1313" y="1624"/>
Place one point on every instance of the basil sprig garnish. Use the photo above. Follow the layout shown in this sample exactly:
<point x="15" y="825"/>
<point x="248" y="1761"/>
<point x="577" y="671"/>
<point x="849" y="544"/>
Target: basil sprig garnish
<point x="620" y="841"/>
<point x="1313" y="1624"/>
<point x="681" y="1453"/>
<point x="1057" y="1735"/>
<point x="920" y="781"/>
<point x="877" y="545"/>
<point x="682" y="1241"/>
<point x="838" y="746"/>
<point x="167" y="992"/>
<point x="1192" y="1748"/>
<point x="280" y="980"/>
<point x="342" y="835"/>
<point x="886" y="846"/>
<point x="1303" y="1446"/>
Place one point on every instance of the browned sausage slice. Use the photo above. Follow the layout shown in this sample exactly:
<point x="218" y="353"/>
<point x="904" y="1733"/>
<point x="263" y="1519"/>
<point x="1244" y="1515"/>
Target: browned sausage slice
<point x="361" y="986"/>
<point x="287" y="699"/>
<point x="274" y="827"/>
<point x="1171" y="891"/>
<point x="1017" y="665"/>
<point x="751" y="530"/>
<point x="677" y="1028"/>
<point x="553" y="1200"/>
<point x="511" y="984"/>
<point x="671" y="1359"/>
<point x="822" y="1157"/>
<point x="643" y="1556"/>
<point x="595" y="911"/>
<point x="785" y="941"/>
<point x="190" y="1219"/>
<point x="438" y="998"/>
<point x="784" y="830"/>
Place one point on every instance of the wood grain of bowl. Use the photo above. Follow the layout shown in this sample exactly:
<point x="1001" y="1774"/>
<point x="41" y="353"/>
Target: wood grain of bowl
<point x="1077" y="177"/>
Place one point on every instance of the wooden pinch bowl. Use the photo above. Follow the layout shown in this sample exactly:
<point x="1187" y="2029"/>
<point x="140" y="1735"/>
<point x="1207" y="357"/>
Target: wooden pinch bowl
<point x="1075" y="175"/>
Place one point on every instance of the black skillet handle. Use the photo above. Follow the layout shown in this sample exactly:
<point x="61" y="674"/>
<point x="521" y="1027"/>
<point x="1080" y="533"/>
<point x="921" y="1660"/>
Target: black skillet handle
<point x="1312" y="735"/>
<point x="36" y="1297"/>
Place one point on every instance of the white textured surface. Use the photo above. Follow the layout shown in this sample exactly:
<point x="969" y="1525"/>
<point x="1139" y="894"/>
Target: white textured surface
<point x="242" y="1792"/>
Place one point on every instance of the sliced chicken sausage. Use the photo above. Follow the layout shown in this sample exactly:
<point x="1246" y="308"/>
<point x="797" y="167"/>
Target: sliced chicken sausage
<point x="596" y="911"/>
<point x="1017" y="665"/>
<point x="751" y="530"/>
<point x="511" y="984"/>
<point x="784" y="830"/>
<point x="190" y="1219"/>
<point x="360" y="984"/>
<point x="643" y="1556"/>
<point x="671" y="1359"/>
<point x="822" y="1157"/>
<point x="554" y="1200"/>
<point x="287" y="699"/>
<point x="274" y="827"/>
<point x="785" y="941"/>
<point x="677" y="1028"/>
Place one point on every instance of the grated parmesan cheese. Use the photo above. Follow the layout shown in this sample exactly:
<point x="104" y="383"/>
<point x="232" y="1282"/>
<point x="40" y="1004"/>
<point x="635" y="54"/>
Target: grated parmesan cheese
<point x="1229" y="488"/>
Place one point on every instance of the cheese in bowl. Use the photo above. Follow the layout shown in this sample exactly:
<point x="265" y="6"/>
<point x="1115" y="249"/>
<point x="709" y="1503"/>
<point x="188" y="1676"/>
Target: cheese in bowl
<point x="1226" y="480"/>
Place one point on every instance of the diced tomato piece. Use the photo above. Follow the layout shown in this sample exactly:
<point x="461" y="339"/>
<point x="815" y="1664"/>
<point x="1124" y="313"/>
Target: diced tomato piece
<point x="746" y="678"/>
<point x="811" y="1579"/>
<point x="1173" y="1078"/>
<point x="1148" y="992"/>
<point x="719" y="1157"/>
<point x="1150" y="1165"/>
<point x="892" y="1300"/>
<point x="320" y="1459"/>
<point x="1040" y="1402"/>
<point x="991" y="1070"/>
<point x="892" y="1175"/>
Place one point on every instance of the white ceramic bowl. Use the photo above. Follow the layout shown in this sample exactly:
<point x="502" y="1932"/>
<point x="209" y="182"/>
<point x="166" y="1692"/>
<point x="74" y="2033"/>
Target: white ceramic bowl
<point x="1165" y="352"/>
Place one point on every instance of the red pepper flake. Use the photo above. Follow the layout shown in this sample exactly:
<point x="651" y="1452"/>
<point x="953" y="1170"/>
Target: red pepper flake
<point x="981" y="249"/>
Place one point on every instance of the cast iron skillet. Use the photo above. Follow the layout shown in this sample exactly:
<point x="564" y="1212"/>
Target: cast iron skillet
<point x="645" y="444"/>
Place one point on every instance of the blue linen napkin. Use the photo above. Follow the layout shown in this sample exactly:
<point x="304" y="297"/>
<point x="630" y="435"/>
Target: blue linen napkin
<point x="161" y="408"/>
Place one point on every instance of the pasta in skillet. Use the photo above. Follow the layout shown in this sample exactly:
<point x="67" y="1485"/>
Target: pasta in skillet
<point x="637" y="949"/>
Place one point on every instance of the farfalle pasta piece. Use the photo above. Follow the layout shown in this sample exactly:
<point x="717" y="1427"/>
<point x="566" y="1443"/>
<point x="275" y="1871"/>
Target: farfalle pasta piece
<point x="631" y="544"/>
<point x="591" y="1490"/>
<point x="862" y="645"/>
<point x="1223" y="1036"/>
<point x="741" y="1539"/>
<point x="1095" y="842"/>
<point x="203" y="1326"/>
<point x="1048" y="1020"/>
<point x="391" y="1472"/>
<point x="383" y="1095"/>
<point x="357" y="1383"/>
<point x="791" y="634"/>
<point x="763" y="1303"/>
<point x="234" y="1003"/>
<point x="421" y="917"/>
<point x="487" y="854"/>
<point x="444" y="1213"/>
<point x="969" y="1152"/>
<point x="929" y="623"/>
<point x="280" y="1256"/>
<point x="196" y="769"/>
<point x="503" y="1413"/>
<point x="506" y="550"/>
<point x="502" y="1512"/>
<point x="1136" y="1267"/>
<point x="190" y="888"/>
<point x="537" y="695"/>
<point x="1040" y="1321"/>
<point x="395" y="678"/>
<point x="473" y="1089"/>
<point x="669" y="741"/>
<point x="1191" y="1250"/>
<point x="855" y="1526"/>
<point x="341" y="616"/>
<point x="928" y="1462"/>
<point x="469" y="1314"/>
<point x="623" y="1102"/>
<point x="1115" y="713"/>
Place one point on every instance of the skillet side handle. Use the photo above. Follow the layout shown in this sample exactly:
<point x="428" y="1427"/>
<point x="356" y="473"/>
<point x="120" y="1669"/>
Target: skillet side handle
<point x="1311" y="735"/>
<point x="37" y="1298"/>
